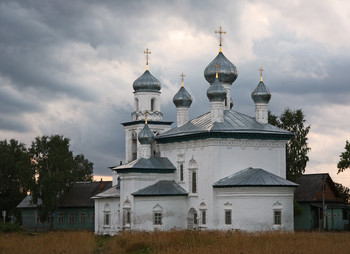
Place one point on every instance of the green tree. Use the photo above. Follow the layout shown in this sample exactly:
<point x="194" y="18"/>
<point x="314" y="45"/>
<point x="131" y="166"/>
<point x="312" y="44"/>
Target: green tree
<point x="56" y="169"/>
<point x="344" y="161"/>
<point x="343" y="191"/>
<point x="16" y="174"/>
<point x="297" y="147"/>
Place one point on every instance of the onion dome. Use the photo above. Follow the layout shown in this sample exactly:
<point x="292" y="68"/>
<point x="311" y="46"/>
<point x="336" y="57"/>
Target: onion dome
<point x="146" y="83"/>
<point x="216" y="92"/>
<point x="261" y="94"/>
<point x="227" y="71"/>
<point x="182" y="98"/>
<point x="146" y="135"/>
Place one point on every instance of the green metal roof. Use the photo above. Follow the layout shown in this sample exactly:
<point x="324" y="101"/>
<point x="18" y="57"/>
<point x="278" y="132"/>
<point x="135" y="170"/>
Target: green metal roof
<point x="151" y="165"/>
<point x="251" y="177"/>
<point x="235" y="125"/>
<point x="161" y="188"/>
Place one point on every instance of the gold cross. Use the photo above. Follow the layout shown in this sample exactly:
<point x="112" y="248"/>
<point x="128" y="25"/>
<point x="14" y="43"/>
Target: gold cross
<point x="220" y="32"/>
<point x="261" y="70"/>
<point x="147" y="52"/>
<point x="182" y="79"/>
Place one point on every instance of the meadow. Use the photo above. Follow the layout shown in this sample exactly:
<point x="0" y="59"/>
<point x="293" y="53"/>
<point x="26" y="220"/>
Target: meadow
<point x="204" y="242"/>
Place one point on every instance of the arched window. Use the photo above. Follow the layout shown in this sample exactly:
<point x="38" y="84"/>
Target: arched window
<point x="203" y="214"/>
<point x="136" y="104"/>
<point x="133" y="145"/>
<point x="127" y="213"/>
<point x="153" y="104"/>
<point x="192" y="219"/>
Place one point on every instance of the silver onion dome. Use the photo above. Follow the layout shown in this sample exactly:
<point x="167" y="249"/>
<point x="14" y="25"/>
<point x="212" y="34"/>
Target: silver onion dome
<point x="146" y="83"/>
<point x="261" y="94"/>
<point x="227" y="71"/>
<point x="146" y="136"/>
<point x="182" y="98"/>
<point x="216" y="92"/>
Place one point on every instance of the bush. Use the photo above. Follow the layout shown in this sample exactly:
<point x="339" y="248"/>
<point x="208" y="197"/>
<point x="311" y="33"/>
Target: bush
<point x="10" y="227"/>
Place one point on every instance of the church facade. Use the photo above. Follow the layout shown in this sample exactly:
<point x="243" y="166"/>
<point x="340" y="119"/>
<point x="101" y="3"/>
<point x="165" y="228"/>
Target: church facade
<point x="222" y="170"/>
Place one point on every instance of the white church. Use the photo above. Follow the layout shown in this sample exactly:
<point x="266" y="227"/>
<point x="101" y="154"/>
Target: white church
<point x="220" y="171"/>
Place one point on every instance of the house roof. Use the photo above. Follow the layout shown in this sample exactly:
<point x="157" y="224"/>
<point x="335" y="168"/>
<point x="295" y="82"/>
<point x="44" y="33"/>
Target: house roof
<point x="78" y="195"/>
<point x="235" y="125"/>
<point x="310" y="185"/>
<point x="161" y="188"/>
<point x="151" y="165"/>
<point x="113" y="192"/>
<point x="250" y="177"/>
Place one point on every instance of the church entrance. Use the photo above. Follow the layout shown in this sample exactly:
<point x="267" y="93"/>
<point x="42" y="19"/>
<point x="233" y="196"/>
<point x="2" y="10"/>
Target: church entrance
<point x="192" y="219"/>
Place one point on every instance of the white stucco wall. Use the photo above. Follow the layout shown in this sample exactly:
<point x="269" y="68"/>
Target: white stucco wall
<point x="173" y="209"/>
<point x="253" y="208"/>
<point x="114" y="225"/>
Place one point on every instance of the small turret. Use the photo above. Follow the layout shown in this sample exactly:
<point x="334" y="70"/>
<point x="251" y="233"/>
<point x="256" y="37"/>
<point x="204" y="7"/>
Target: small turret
<point x="261" y="97"/>
<point x="182" y="101"/>
<point x="145" y="137"/>
<point x="216" y="94"/>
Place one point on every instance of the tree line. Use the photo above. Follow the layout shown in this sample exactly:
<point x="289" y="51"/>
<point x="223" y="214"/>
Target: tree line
<point x="45" y="170"/>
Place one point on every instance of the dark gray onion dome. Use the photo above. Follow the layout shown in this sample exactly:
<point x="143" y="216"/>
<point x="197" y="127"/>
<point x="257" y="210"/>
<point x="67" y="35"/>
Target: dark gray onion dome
<point x="146" y="135"/>
<point x="227" y="71"/>
<point x="146" y="83"/>
<point x="182" y="98"/>
<point x="261" y="94"/>
<point x="216" y="92"/>
<point x="231" y="103"/>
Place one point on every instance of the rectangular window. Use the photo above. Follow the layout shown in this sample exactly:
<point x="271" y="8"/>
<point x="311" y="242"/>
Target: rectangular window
<point x="60" y="218"/>
<point x="228" y="217"/>
<point x="106" y="219"/>
<point x="71" y="217"/>
<point x="194" y="182"/>
<point x="92" y="217"/>
<point x="195" y="218"/>
<point x="157" y="218"/>
<point x="181" y="173"/>
<point x="204" y="217"/>
<point x="128" y="217"/>
<point x="277" y="217"/>
<point x="82" y="217"/>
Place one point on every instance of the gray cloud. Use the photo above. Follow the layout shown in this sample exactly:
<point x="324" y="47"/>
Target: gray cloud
<point x="70" y="66"/>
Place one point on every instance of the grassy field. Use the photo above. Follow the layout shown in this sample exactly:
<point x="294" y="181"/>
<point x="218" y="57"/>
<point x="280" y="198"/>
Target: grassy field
<point x="174" y="242"/>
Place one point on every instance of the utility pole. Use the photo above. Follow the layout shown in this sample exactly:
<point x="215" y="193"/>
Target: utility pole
<point x="324" y="206"/>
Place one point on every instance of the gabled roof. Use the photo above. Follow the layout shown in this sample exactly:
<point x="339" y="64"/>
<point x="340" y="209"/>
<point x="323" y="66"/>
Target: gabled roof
<point x="235" y="125"/>
<point x="78" y="195"/>
<point x="311" y="184"/>
<point x="251" y="177"/>
<point x="161" y="188"/>
<point x="151" y="165"/>
<point x="113" y="192"/>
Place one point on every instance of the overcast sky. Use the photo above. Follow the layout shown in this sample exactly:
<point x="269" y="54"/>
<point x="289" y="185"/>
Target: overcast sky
<point x="67" y="67"/>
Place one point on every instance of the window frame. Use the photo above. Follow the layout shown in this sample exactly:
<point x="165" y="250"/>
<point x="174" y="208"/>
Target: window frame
<point x="277" y="217"/>
<point x="81" y="216"/>
<point x="60" y="218"/>
<point x="71" y="218"/>
<point x="228" y="217"/>
<point x="157" y="218"/>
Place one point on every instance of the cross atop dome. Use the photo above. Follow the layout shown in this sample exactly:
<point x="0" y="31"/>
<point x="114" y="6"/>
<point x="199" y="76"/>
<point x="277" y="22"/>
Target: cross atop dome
<point x="261" y="70"/>
<point x="147" y="52"/>
<point x="182" y="79"/>
<point x="220" y="32"/>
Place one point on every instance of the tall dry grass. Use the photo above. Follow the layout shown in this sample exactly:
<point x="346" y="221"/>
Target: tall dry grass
<point x="175" y="242"/>
<point x="46" y="243"/>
